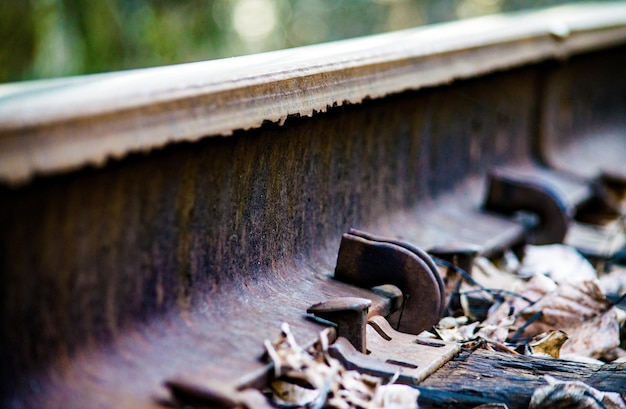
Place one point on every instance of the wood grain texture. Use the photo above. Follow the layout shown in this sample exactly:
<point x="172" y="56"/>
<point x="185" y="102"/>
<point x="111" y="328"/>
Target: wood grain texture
<point x="477" y="377"/>
<point x="59" y="125"/>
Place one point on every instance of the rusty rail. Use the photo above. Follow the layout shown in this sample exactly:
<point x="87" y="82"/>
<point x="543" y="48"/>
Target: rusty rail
<point x="136" y="247"/>
<point x="111" y="115"/>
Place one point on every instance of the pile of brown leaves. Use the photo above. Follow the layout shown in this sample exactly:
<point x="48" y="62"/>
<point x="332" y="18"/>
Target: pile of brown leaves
<point x="551" y="304"/>
<point x="311" y="378"/>
<point x="573" y="394"/>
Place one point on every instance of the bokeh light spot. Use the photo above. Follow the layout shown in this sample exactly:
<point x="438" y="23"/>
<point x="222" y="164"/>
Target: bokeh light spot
<point x="254" y="20"/>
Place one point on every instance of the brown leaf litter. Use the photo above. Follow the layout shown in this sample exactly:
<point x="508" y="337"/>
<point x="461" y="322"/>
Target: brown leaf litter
<point x="573" y="394"/>
<point x="311" y="378"/>
<point x="575" y="308"/>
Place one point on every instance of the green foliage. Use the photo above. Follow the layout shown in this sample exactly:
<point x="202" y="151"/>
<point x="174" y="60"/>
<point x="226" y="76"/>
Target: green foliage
<point x="50" y="38"/>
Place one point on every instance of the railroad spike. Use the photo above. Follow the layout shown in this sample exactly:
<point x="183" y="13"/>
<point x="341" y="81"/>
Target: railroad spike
<point x="350" y="315"/>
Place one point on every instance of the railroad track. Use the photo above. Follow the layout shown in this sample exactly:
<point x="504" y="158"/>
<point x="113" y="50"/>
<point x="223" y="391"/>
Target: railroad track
<point x="158" y="225"/>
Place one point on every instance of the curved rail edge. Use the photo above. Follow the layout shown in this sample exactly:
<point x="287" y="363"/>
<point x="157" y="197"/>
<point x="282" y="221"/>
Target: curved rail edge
<point x="54" y="126"/>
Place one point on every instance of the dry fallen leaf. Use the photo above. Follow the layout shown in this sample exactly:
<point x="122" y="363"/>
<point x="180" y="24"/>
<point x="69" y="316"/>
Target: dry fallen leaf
<point x="286" y="393"/>
<point x="395" y="397"/>
<point x="549" y="344"/>
<point x="576" y="394"/>
<point x="614" y="283"/>
<point x="560" y="262"/>
<point x="496" y="332"/>
<point x="530" y="291"/>
<point x="581" y="310"/>
<point x="593" y="338"/>
<point x="311" y="378"/>
<point x="488" y="275"/>
<point x="569" y="305"/>
<point x="453" y="329"/>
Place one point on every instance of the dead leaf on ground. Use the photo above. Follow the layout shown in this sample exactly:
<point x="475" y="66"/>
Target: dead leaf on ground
<point x="569" y="305"/>
<point x="549" y="344"/>
<point x="614" y="283"/>
<point x="530" y="291"/>
<point x="453" y="329"/>
<point x="593" y="338"/>
<point x="496" y="332"/>
<point x="579" y="309"/>
<point x="573" y="394"/>
<point x="614" y="355"/>
<point x="560" y="262"/>
<point x="489" y="275"/>
<point x="311" y="378"/>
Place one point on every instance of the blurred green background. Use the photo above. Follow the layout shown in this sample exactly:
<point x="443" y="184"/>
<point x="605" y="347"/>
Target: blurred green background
<point x="51" y="38"/>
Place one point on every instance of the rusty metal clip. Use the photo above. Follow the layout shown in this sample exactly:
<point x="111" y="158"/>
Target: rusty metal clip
<point x="508" y="193"/>
<point x="367" y="261"/>
<point x="391" y="353"/>
<point x="377" y="349"/>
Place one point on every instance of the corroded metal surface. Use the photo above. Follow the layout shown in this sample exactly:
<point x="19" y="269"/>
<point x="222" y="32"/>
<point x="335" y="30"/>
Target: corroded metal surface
<point x="368" y="261"/>
<point x="61" y="125"/>
<point x="393" y="353"/>
<point x="187" y="259"/>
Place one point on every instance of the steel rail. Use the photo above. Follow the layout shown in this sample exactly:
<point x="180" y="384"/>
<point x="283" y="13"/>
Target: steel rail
<point x="178" y="264"/>
<point x="53" y="126"/>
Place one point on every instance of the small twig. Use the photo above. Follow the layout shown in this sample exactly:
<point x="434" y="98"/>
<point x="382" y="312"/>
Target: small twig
<point x="471" y="280"/>
<point x="495" y="291"/>
<point x="613" y="303"/>
<point x="529" y="321"/>
<point x="406" y="298"/>
<point x="463" y="273"/>
<point x="500" y="347"/>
